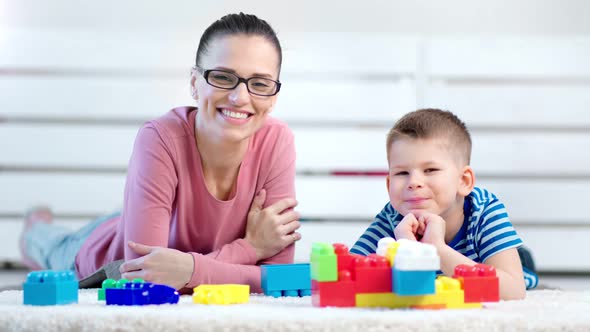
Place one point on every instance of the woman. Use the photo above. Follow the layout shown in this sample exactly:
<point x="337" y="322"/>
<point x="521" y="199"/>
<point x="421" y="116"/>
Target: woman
<point x="210" y="190"/>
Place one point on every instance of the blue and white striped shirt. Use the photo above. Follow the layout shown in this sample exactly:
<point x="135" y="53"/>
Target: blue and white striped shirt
<point x="486" y="231"/>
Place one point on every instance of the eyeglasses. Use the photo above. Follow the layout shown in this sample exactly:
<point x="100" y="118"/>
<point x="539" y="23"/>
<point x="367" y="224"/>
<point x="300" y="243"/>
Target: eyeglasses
<point x="227" y="80"/>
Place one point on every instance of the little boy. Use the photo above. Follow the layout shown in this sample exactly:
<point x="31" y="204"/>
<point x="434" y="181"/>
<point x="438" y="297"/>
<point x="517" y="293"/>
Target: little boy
<point x="433" y="199"/>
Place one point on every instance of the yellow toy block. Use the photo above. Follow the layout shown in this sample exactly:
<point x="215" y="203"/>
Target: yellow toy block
<point x="448" y="293"/>
<point x="451" y="293"/>
<point x="391" y="252"/>
<point x="221" y="294"/>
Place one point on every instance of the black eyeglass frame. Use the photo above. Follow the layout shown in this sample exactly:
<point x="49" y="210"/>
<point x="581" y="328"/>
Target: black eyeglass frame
<point x="206" y="73"/>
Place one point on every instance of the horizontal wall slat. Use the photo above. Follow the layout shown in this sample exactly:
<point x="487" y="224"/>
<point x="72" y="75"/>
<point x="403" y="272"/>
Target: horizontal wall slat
<point x="346" y="197"/>
<point x="555" y="257"/>
<point x="136" y="53"/>
<point x="91" y="98"/>
<point x="65" y="194"/>
<point x="320" y="197"/>
<point x="559" y="255"/>
<point x="318" y="149"/>
<point x="509" y="57"/>
<point x="514" y="105"/>
<point x="11" y="230"/>
<point x="313" y="101"/>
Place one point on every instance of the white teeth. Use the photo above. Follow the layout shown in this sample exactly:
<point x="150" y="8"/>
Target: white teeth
<point x="234" y="115"/>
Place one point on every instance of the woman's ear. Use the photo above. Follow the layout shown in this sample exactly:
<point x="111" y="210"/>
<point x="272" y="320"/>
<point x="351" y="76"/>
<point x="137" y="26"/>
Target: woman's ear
<point x="193" y="83"/>
<point x="467" y="181"/>
<point x="273" y="102"/>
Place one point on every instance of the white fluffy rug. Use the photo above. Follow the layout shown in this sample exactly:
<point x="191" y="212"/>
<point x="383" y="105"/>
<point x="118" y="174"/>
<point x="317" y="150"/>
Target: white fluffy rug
<point x="545" y="310"/>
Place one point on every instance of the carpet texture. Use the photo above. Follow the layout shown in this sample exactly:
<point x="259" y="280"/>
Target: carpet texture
<point x="545" y="310"/>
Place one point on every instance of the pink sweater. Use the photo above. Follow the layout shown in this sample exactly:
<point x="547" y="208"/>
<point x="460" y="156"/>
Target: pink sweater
<point x="167" y="203"/>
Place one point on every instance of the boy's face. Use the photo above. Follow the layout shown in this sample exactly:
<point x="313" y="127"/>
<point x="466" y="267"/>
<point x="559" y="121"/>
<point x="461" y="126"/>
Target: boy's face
<point x="425" y="174"/>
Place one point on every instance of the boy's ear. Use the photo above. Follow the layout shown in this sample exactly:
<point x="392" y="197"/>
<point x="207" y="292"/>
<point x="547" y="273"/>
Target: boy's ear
<point x="387" y="182"/>
<point x="467" y="181"/>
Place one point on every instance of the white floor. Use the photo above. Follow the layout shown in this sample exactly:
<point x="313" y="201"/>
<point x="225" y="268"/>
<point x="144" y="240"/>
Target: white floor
<point x="577" y="283"/>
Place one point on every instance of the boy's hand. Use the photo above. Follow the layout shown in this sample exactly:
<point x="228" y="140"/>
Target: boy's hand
<point x="435" y="228"/>
<point x="409" y="228"/>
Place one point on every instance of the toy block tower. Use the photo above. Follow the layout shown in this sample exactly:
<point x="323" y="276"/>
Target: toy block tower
<point x="331" y="286"/>
<point x="50" y="288"/>
<point x="414" y="270"/>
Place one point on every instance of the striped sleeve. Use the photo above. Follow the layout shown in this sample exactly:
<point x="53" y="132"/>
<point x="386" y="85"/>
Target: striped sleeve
<point x="531" y="279"/>
<point x="380" y="228"/>
<point x="496" y="232"/>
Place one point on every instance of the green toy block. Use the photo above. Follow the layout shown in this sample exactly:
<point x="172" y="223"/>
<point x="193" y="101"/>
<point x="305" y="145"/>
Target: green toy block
<point x="324" y="262"/>
<point x="112" y="283"/>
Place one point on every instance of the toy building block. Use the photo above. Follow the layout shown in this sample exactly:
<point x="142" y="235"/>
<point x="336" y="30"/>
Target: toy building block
<point x="415" y="269"/>
<point x="286" y="279"/>
<point x="324" y="263"/>
<point x="387" y="247"/>
<point x="344" y="259"/>
<point x="372" y="274"/>
<point x="429" y="306"/>
<point x="221" y="294"/>
<point x="138" y="293"/>
<point x="480" y="282"/>
<point x="112" y="283"/>
<point x="448" y="293"/>
<point x="50" y="288"/>
<point x="339" y="293"/>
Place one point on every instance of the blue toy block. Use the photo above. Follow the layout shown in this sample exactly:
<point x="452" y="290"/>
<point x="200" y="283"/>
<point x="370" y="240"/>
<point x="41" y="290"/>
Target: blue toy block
<point x="161" y="294"/>
<point x="50" y="288"/>
<point x="141" y="294"/>
<point x="413" y="282"/>
<point x="286" y="280"/>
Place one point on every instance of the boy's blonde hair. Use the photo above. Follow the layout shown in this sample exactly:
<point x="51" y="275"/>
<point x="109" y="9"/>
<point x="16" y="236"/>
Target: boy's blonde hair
<point x="433" y="123"/>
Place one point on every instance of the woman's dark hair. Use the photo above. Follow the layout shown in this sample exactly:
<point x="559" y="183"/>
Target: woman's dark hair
<point x="238" y="24"/>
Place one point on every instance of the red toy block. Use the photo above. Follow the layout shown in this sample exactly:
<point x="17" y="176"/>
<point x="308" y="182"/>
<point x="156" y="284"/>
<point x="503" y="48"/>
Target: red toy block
<point x="345" y="258"/>
<point x="339" y="293"/>
<point x="372" y="274"/>
<point x="479" y="282"/>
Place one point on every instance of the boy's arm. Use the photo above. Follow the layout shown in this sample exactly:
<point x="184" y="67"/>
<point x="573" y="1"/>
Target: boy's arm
<point x="497" y="247"/>
<point x="380" y="228"/>
<point x="507" y="264"/>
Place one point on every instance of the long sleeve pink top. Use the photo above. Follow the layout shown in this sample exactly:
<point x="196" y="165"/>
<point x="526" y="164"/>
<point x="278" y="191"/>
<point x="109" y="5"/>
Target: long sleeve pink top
<point x="167" y="203"/>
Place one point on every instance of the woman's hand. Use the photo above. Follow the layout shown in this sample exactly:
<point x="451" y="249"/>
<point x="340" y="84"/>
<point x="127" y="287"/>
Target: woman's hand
<point x="272" y="229"/>
<point x="409" y="228"/>
<point x="159" y="265"/>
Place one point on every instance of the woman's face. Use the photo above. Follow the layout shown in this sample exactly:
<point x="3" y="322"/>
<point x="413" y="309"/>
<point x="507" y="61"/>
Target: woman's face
<point x="234" y="115"/>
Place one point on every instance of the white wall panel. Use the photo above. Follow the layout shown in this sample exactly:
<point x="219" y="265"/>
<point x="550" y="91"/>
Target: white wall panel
<point x="323" y="99"/>
<point x="514" y="105"/>
<point x="538" y="202"/>
<point x="318" y="148"/>
<point x="509" y="57"/>
<point x="91" y="98"/>
<point x="11" y="230"/>
<point x="555" y="257"/>
<point x="161" y="53"/>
